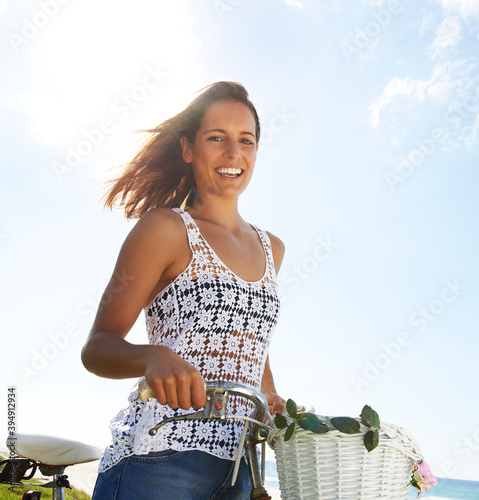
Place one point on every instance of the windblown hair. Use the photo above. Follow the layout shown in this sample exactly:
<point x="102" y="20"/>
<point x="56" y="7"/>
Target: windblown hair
<point x="158" y="176"/>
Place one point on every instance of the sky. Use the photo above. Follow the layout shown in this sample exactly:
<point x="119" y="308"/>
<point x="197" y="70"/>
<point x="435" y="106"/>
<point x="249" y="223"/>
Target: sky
<point x="367" y="170"/>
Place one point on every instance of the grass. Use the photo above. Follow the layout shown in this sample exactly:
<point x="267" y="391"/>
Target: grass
<point x="7" y="494"/>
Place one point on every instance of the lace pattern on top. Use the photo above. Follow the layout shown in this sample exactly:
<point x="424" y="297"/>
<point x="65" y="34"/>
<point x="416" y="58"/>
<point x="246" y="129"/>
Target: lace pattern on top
<point x="219" y="323"/>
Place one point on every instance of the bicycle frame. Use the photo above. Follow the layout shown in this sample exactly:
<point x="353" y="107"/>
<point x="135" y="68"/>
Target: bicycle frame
<point x="57" y="485"/>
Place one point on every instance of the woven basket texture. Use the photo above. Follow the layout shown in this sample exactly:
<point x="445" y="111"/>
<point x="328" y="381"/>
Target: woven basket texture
<point x="338" y="466"/>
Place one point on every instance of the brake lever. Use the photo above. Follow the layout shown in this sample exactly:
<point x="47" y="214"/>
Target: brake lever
<point x="215" y="407"/>
<point x="188" y="416"/>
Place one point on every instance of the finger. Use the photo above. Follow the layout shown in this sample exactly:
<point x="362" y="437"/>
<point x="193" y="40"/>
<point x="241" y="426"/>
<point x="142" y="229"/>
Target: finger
<point x="198" y="392"/>
<point x="183" y="392"/>
<point x="272" y="409"/>
<point x="280" y="407"/>
<point x="171" y="394"/>
<point x="159" y="392"/>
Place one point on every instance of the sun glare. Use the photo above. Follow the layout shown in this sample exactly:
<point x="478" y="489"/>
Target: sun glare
<point x="125" y="74"/>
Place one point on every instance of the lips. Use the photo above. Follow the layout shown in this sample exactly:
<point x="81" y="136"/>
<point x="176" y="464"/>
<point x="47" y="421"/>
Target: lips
<point x="231" y="172"/>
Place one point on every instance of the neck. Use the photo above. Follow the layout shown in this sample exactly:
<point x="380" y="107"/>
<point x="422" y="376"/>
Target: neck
<point x="221" y="211"/>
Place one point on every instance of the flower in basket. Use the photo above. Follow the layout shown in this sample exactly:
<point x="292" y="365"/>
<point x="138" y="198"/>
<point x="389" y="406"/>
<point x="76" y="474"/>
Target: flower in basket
<point x="422" y="478"/>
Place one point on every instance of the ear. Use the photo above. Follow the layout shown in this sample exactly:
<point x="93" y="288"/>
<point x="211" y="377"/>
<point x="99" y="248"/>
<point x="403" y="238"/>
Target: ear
<point x="186" y="150"/>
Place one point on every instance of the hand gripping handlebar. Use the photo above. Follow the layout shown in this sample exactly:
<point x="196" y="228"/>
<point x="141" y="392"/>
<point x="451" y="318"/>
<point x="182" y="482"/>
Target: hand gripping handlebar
<point x="217" y="394"/>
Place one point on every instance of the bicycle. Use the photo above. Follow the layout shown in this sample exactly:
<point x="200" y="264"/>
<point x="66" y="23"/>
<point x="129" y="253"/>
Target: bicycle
<point x="325" y="466"/>
<point x="51" y="455"/>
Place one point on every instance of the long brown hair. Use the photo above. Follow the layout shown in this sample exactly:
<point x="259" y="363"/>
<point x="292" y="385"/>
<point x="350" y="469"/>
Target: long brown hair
<point x="158" y="176"/>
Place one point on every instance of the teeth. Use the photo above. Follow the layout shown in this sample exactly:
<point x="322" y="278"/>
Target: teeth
<point x="229" y="170"/>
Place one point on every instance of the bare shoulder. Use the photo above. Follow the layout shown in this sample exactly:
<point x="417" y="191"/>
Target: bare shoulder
<point x="160" y="232"/>
<point x="278" y="249"/>
<point x="160" y="223"/>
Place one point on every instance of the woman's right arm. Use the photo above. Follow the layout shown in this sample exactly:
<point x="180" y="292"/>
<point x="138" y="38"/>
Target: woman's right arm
<point x="152" y="251"/>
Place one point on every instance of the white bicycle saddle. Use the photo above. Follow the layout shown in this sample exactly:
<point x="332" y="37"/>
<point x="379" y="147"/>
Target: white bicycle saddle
<point x="53" y="450"/>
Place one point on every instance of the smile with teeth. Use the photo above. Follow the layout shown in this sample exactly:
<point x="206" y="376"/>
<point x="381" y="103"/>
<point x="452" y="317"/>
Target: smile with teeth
<point x="229" y="171"/>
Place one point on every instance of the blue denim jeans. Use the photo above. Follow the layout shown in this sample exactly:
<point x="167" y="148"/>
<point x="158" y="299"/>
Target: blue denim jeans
<point x="170" y="474"/>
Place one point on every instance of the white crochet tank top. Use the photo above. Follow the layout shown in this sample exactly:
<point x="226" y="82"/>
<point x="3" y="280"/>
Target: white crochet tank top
<point x="219" y="323"/>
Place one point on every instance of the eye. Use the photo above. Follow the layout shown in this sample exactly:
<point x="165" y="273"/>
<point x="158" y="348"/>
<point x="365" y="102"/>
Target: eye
<point x="215" y="138"/>
<point x="247" y="141"/>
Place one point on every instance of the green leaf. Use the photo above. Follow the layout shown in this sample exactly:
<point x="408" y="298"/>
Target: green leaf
<point x="310" y="422"/>
<point x="289" y="431"/>
<point x="291" y="408"/>
<point x="328" y="422"/>
<point x="347" y="425"/>
<point x="371" y="439"/>
<point x="369" y="417"/>
<point x="280" y="421"/>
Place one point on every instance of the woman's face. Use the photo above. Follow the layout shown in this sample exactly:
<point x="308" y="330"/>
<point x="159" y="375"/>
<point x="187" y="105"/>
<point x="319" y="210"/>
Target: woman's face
<point x="224" y="151"/>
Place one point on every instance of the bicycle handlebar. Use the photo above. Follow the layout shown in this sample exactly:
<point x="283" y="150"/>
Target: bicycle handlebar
<point x="217" y="394"/>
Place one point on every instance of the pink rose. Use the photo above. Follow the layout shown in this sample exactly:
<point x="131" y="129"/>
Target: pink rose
<point x="423" y="478"/>
<point x="427" y="474"/>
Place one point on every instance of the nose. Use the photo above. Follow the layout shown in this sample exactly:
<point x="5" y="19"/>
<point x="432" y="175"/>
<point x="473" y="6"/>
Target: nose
<point x="232" y="149"/>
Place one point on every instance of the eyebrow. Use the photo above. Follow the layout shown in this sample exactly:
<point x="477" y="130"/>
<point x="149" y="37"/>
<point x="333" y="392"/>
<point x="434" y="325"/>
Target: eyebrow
<point x="224" y="131"/>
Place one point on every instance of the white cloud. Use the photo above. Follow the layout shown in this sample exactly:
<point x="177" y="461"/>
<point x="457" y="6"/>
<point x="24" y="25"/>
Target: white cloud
<point x="397" y="88"/>
<point x="448" y="35"/>
<point x="400" y="90"/>
<point x="451" y="93"/>
<point x="465" y="8"/>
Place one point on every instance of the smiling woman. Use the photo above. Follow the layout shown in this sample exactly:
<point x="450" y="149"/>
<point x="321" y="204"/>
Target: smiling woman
<point x="159" y="175"/>
<point x="223" y="158"/>
<point x="206" y="280"/>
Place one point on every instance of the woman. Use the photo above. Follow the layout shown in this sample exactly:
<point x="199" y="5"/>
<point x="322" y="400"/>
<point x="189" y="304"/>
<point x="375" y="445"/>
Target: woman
<point x="206" y="280"/>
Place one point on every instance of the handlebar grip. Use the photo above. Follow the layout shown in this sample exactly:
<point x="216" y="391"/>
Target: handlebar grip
<point x="145" y="391"/>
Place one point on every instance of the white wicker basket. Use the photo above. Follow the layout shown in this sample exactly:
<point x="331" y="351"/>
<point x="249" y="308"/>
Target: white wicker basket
<point x="337" y="465"/>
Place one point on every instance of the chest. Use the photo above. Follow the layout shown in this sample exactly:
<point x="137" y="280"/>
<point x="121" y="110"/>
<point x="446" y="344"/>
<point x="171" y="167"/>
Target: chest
<point x="243" y="254"/>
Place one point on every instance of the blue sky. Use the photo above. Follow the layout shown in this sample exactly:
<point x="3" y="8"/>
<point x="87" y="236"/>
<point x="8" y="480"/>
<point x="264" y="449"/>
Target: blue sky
<point x="367" y="171"/>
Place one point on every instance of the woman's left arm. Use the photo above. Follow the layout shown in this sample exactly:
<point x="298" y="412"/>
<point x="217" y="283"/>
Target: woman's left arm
<point x="275" y="402"/>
